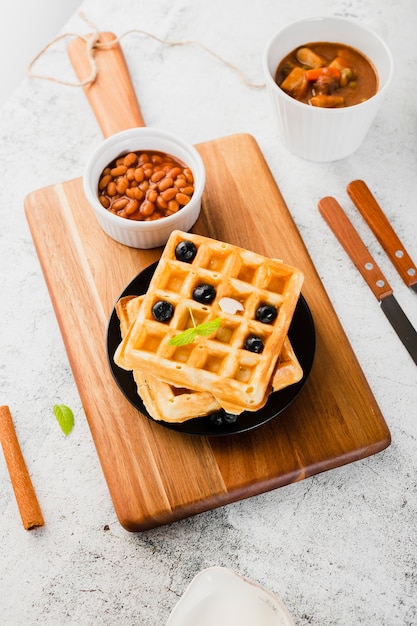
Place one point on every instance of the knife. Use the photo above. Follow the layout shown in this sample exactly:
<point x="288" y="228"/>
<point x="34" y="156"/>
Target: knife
<point x="383" y="231"/>
<point x="344" y="230"/>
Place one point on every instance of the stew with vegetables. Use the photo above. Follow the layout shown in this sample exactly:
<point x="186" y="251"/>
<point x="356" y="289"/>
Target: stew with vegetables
<point x="327" y="75"/>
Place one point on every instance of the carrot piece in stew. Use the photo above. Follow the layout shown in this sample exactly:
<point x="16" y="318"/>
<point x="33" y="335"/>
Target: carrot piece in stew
<point x="327" y="102"/>
<point x="314" y="74"/>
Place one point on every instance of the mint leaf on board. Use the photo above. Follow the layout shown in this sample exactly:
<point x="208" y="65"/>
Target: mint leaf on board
<point x="65" y="418"/>
<point x="187" y="336"/>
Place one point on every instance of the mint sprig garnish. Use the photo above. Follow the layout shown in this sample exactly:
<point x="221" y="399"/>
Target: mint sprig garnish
<point x="65" y="418"/>
<point x="187" y="336"/>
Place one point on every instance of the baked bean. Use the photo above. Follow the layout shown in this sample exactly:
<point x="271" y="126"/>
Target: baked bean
<point x="173" y="206"/>
<point x="118" y="171"/>
<point x="130" y="159"/>
<point x="119" y="204"/>
<point x="152" y="195"/>
<point x="135" y="193"/>
<point x="139" y="175"/>
<point x="181" y="198"/>
<point x="157" y="176"/>
<point x="147" y="208"/>
<point x="121" y="185"/>
<point x="132" y="207"/>
<point x="105" y="201"/>
<point x="165" y="183"/>
<point x="111" y="188"/>
<point x="180" y="182"/>
<point x="169" y="194"/>
<point x="188" y="175"/>
<point x="104" y="181"/>
<point x="161" y="203"/>
<point x="137" y="216"/>
<point x="145" y="185"/>
<point x="174" y="172"/>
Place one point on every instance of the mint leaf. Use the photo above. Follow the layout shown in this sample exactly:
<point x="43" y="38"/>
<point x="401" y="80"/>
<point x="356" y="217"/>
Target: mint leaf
<point x="187" y="336"/>
<point x="208" y="328"/>
<point x="65" y="418"/>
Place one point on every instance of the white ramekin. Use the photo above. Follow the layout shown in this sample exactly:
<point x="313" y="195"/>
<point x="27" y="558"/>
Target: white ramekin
<point x="311" y="132"/>
<point x="130" y="232"/>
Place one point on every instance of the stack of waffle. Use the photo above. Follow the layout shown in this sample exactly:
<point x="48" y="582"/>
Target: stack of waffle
<point x="241" y="352"/>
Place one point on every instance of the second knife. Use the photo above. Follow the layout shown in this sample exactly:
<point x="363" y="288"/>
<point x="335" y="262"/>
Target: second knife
<point x="377" y="221"/>
<point x="344" y="230"/>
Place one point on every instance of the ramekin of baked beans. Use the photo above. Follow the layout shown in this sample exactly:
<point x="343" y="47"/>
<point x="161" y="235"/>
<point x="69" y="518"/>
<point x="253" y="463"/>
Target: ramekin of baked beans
<point x="142" y="184"/>
<point x="145" y="185"/>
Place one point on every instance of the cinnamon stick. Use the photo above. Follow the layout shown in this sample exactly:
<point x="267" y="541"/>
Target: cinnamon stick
<point x="27" y="501"/>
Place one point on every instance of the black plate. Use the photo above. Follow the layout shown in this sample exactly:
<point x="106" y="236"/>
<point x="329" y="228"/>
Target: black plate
<point x="303" y="339"/>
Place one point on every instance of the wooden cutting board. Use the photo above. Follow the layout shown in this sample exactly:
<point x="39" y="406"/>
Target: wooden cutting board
<point x="155" y="475"/>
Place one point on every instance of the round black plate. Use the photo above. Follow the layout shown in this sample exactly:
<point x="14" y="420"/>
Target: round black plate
<point x="303" y="339"/>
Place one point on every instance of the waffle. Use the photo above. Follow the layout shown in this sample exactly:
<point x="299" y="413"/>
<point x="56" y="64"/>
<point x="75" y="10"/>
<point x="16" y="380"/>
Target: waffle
<point x="163" y="401"/>
<point x="238" y="378"/>
<point x="167" y="403"/>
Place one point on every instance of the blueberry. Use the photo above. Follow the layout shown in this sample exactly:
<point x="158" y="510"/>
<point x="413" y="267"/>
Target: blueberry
<point x="162" y="311"/>
<point x="219" y="418"/>
<point x="254" y="344"/>
<point x="266" y="313"/>
<point x="185" y="251"/>
<point x="204" y="293"/>
<point x="216" y="419"/>
<point x="230" y="418"/>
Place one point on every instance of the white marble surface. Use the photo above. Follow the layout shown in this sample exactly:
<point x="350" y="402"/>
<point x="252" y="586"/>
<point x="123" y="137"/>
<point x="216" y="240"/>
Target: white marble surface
<point x="20" y="41"/>
<point x="339" y="548"/>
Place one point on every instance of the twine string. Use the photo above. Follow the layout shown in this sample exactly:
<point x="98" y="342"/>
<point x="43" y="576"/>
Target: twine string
<point x="93" y="42"/>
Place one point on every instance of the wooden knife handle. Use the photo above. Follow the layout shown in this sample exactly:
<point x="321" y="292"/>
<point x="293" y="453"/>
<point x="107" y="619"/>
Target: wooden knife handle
<point x="383" y="231"/>
<point x="111" y="96"/>
<point x="344" y="230"/>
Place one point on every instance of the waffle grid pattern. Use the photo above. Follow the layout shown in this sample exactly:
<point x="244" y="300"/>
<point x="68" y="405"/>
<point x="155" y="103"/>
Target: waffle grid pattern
<point x="219" y="363"/>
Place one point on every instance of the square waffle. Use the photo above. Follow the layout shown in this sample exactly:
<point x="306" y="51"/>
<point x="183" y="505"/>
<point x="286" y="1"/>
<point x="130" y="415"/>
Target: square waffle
<point x="163" y="401"/>
<point x="238" y="378"/>
<point x="172" y="404"/>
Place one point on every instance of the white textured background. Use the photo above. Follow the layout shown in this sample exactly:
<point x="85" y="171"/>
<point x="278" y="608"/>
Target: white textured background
<point x="25" y="28"/>
<point x="340" y="548"/>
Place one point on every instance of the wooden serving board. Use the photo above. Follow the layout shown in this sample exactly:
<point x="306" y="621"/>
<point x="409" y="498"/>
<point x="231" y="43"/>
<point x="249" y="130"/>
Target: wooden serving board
<point x="155" y="475"/>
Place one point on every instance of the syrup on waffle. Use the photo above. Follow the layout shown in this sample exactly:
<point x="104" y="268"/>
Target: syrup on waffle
<point x="167" y="403"/>
<point x="237" y="377"/>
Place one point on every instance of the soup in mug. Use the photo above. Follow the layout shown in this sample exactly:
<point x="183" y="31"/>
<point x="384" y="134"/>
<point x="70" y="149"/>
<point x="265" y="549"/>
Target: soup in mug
<point x="327" y="75"/>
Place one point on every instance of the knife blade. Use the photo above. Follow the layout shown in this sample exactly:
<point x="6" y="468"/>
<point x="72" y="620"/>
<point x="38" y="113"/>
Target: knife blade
<point x="377" y="221"/>
<point x="345" y="232"/>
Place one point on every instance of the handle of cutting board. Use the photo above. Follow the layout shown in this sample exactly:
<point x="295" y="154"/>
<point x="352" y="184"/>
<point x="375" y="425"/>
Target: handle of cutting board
<point x="345" y="232"/>
<point x="111" y="96"/>
<point x="382" y="229"/>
